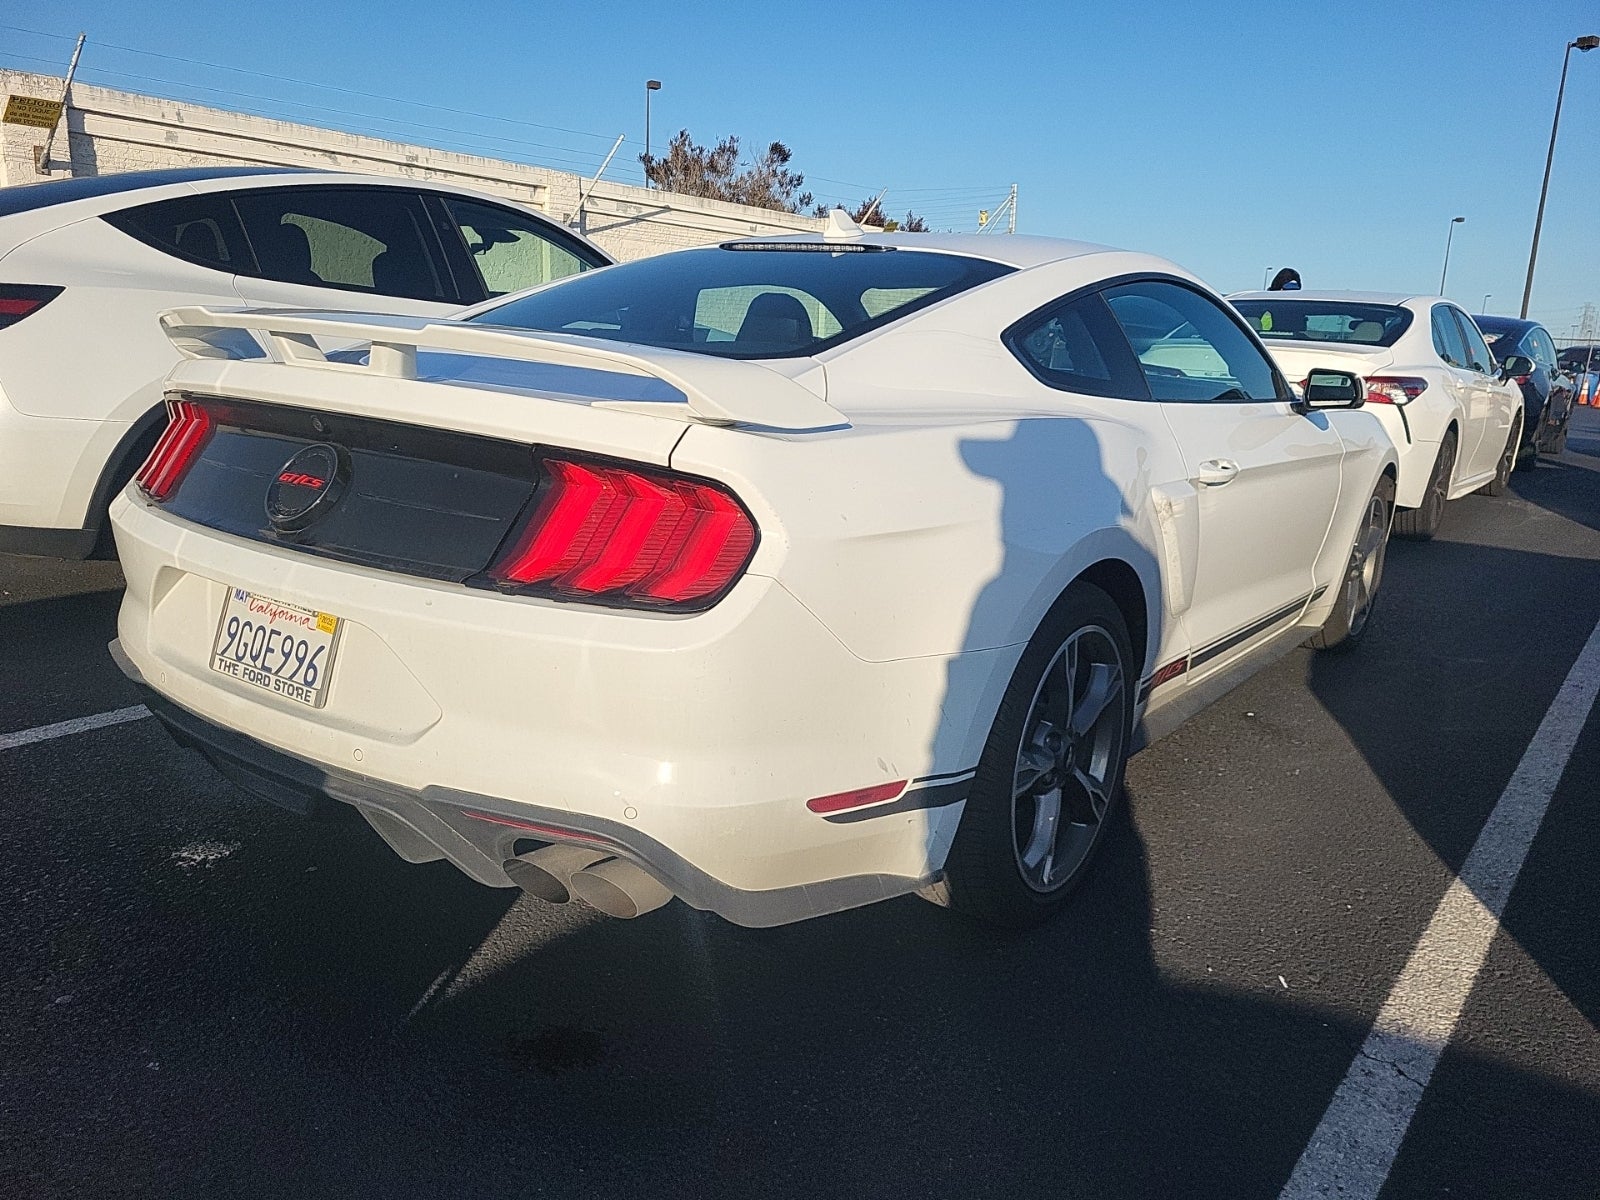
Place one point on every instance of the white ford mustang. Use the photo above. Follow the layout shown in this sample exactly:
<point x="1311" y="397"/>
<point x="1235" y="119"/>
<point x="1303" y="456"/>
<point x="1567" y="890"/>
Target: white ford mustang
<point x="781" y="576"/>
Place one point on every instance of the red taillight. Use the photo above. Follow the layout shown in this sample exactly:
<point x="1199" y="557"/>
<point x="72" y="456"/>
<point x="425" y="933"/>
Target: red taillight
<point x="189" y="426"/>
<point x="607" y="532"/>
<point x="18" y="300"/>
<point x="1395" y="389"/>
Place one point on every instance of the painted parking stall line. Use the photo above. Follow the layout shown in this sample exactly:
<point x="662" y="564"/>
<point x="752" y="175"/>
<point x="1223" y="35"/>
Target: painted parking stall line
<point x="45" y="733"/>
<point x="1354" y="1146"/>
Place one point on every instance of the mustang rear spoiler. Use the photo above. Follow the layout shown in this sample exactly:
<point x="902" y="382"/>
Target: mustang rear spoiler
<point x="717" y="391"/>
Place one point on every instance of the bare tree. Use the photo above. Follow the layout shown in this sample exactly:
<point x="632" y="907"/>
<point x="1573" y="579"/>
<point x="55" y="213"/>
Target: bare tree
<point x="715" y="172"/>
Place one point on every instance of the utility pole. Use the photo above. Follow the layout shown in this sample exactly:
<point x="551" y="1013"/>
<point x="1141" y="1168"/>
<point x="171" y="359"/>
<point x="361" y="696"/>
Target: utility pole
<point x="1012" y="227"/>
<point x="41" y="161"/>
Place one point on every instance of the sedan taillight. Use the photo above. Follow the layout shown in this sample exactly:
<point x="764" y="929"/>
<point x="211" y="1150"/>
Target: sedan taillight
<point x="19" y="300"/>
<point x="616" y="534"/>
<point x="188" y="429"/>
<point x="1395" y="389"/>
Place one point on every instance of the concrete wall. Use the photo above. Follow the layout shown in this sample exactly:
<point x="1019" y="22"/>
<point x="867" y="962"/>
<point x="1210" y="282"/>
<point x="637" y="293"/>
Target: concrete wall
<point x="107" y="131"/>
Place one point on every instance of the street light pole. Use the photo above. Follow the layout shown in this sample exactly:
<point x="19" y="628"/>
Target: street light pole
<point x="1454" y="221"/>
<point x="650" y="85"/>
<point x="1584" y="44"/>
<point x="1483" y="309"/>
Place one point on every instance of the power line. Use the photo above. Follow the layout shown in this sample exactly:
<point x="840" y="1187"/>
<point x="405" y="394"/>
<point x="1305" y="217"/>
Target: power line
<point x="328" y="87"/>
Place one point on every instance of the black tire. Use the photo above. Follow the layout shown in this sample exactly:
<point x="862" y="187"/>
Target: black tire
<point x="1501" y="483"/>
<point x="1062" y="679"/>
<point x="1422" y="522"/>
<point x="1351" y="617"/>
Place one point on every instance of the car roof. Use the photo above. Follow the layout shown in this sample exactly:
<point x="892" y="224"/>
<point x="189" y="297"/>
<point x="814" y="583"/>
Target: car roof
<point x="1505" y="324"/>
<point x="1394" y="298"/>
<point x="1013" y="250"/>
<point x="47" y="193"/>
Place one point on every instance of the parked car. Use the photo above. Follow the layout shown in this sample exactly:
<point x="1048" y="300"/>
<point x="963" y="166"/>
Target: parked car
<point x="1453" y="413"/>
<point x="782" y="576"/>
<point x="1548" y="392"/>
<point x="1580" y="360"/>
<point x="87" y="265"/>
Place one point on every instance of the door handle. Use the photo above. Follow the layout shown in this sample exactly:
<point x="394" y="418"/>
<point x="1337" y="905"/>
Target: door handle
<point x="1215" y="472"/>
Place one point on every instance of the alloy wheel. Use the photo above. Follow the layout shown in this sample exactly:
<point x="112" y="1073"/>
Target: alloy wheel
<point x="1366" y="565"/>
<point x="1067" y="761"/>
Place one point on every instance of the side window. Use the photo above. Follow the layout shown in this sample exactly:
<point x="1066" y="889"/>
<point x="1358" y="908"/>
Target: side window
<point x="1544" y="350"/>
<point x="200" y="229"/>
<point x="511" y="251"/>
<point x="1447" y="342"/>
<point x="1478" y="356"/>
<point x="1190" y="349"/>
<point x="1078" y="347"/>
<point x="359" y="239"/>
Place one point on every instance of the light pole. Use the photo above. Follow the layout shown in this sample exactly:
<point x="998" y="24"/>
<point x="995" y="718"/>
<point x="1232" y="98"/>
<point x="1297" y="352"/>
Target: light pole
<point x="1483" y="309"/>
<point x="1454" y="221"/>
<point x="1585" y="44"/>
<point x="650" y="85"/>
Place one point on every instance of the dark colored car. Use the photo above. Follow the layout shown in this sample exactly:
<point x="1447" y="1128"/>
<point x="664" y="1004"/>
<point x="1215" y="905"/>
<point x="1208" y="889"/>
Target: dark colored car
<point x="1548" y="392"/>
<point x="1575" y="360"/>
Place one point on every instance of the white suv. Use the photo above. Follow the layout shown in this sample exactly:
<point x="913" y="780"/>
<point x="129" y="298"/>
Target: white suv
<point x="86" y="265"/>
<point x="1451" y="411"/>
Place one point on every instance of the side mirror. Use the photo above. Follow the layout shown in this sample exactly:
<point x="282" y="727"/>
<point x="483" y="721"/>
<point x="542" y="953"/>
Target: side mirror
<point x="1333" y="389"/>
<point x="1516" y="364"/>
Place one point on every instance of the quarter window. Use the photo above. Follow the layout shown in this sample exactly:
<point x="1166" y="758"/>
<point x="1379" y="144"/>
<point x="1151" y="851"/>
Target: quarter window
<point x="357" y="239"/>
<point x="511" y="251"/>
<point x="201" y="229"/>
<point x="1189" y="348"/>
<point x="1077" y="347"/>
<point x="1478" y="356"/>
<point x="1447" y="341"/>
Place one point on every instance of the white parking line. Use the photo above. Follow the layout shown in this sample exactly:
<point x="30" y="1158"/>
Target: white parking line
<point x="1352" y="1150"/>
<point x="43" y="733"/>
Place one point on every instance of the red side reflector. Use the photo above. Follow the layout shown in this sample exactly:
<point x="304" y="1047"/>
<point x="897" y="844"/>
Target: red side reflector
<point x="867" y="795"/>
<point x="606" y="531"/>
<point x="189" y="428"/>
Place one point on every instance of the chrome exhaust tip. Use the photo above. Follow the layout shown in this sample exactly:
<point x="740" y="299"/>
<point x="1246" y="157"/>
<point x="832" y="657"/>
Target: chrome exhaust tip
<point x="619" y="888"/>
<point x="547" y="872"/>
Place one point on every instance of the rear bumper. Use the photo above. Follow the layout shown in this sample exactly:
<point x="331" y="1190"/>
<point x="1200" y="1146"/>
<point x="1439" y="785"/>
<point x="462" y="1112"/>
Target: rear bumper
<point x="692" y="743"/>
<point x="437" y="823"/>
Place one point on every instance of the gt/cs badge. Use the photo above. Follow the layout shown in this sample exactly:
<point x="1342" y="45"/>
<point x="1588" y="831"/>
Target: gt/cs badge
<point x="307" y="487"/>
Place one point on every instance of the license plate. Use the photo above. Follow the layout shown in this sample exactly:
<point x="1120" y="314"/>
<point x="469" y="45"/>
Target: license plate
<point x="277" y="647"/>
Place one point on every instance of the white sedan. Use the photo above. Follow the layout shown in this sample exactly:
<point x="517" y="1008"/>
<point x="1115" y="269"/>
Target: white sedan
<point x="779" y="576"/>
<point x="87" y="266"/>
<point x="1451" y="410"/>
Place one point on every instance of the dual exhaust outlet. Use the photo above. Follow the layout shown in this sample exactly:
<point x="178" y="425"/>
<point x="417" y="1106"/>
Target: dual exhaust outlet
<point x="615" y="886"/>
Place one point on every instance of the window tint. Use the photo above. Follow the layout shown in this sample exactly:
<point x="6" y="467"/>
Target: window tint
<point x="1478" y="356"/>
<point x="1078" y="347"/>
<point x="1544" y="349"/>
<point x="201" y="229"/>
<point x="512" y="251"/>
<point x="1190" y="348"/>
<point x="1447" y="338"/>
<point x="359" y="239"/>
<point x="754" y="302"/>
<point x="1325" y="321"/>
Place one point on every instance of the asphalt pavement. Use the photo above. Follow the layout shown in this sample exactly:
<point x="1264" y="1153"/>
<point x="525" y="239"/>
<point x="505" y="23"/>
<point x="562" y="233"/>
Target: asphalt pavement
<point x="205" y="996"/>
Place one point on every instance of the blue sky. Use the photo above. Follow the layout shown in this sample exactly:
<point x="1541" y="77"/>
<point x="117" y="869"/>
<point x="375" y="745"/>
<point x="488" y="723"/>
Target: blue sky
<point x="1339" y="138"/>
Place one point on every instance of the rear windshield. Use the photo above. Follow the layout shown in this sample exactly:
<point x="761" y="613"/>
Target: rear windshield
<point x="747" y="303"/>
<point x="1325" y="321"/>
<point x="1502" y="336"/>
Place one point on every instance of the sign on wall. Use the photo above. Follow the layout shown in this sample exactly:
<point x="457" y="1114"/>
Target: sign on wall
<point x="30" y="110"/>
